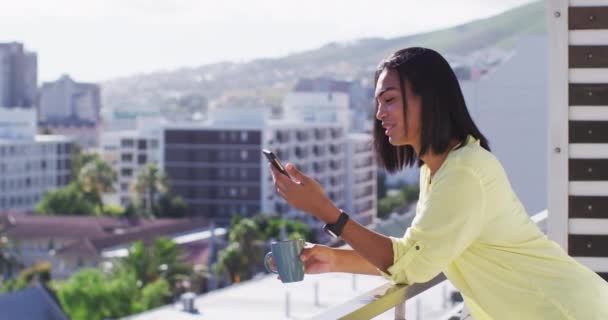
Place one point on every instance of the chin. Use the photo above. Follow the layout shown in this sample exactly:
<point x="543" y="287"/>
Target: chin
<point x="397" y="142"/>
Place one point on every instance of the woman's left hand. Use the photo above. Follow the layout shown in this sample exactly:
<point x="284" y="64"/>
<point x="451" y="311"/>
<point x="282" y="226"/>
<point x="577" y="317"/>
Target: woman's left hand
<point x="304" y="193"/>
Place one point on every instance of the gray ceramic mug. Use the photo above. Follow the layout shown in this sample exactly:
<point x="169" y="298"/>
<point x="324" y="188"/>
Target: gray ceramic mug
<point x="287" y="263"/>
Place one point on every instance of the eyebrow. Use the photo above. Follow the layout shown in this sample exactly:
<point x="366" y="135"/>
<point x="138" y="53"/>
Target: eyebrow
<point x="383" y="91"/>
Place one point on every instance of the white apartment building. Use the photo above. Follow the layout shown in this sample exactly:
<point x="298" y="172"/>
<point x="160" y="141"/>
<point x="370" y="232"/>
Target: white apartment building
<point x="361" y="178"/>
<point x="30" y="164"/>
<point x="128" y="152"/>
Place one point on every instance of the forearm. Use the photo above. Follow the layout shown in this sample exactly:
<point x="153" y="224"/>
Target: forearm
<point x="376" y="248"/>
<point x="350" y="261"/>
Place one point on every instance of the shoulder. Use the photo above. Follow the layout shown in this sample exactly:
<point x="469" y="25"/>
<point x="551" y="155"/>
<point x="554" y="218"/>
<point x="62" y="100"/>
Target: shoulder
<point x="474" y="160"/>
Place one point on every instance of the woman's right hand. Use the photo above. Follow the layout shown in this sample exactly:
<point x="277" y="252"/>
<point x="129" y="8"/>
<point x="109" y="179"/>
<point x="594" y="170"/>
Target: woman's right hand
<point x="318" y="259"/>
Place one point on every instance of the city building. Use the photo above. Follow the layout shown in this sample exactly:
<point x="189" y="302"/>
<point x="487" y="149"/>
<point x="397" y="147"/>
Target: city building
<point x="361" y="178"/>
<point x="218" y="167"/>
<point x="128" y="151"/>
<point x="71" y="108"/>
<point x="30" y="164"/>
<point x="70" y="243"/>
<point x="18" y="76"/>
<point x="316" y="97"/>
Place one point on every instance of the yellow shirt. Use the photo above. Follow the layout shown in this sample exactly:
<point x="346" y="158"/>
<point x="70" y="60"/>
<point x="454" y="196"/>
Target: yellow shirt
<point x="470" y="225"/>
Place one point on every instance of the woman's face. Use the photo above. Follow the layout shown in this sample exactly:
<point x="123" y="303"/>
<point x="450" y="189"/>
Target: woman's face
<point x="390" y="110"/>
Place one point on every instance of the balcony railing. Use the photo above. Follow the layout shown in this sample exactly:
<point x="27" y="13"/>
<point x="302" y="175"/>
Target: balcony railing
<point x="385" y="297"/>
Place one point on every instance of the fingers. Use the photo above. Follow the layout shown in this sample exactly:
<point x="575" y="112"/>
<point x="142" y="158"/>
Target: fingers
<point x="308" y="251"/>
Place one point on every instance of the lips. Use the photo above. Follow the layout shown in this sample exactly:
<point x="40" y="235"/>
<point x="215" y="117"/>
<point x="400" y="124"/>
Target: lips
<point x="388" y="128"/>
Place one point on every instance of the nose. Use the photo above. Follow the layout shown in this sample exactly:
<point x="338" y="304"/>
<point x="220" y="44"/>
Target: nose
<point x="380" y="112"/>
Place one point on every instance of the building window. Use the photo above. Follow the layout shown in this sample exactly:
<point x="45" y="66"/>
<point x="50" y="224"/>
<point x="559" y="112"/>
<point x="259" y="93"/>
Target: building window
<point x="244" y="136"/>
<point x="126" y="143"/>
<point x="244" y="154"/>
<point x="126" y="157"/>
<point x="126" y="172"/>
<point x="141" y="159"/>
<point x="142" y="144"/>
<point x="124" y="187"/>
<point x="233" y="192"/>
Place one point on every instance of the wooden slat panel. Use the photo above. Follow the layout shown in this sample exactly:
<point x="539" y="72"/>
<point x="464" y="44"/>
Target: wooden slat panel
<point x="588" y="56"/>
<point x="588" y="131"/>
<point x="587" y="207"/>
<point x="587" y="18"/>
<point x="588" y="169"/>
<point x="588" y="246"/>
<point x="584" y="94"/>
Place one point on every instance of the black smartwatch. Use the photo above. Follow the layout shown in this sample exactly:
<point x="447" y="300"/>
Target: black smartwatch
<point x="335" y="229"/>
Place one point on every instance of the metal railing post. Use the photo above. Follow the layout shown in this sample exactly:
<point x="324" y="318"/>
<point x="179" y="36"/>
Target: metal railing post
<point x="400" y="311"/>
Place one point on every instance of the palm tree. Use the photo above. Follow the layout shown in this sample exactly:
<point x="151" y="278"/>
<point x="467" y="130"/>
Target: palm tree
<point x="250" y="238"/>
<point x="98" y="177"/>
<point x="163" y="259"/>
<point x="150" y="182"/>
<point x="232" y="261"/>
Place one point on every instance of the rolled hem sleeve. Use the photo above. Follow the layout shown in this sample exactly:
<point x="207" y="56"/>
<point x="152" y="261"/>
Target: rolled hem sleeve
<point x="403" y="253"/>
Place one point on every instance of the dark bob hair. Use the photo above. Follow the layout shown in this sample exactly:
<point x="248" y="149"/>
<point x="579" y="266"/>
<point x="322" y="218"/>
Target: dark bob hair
<point x="444" y="114"/>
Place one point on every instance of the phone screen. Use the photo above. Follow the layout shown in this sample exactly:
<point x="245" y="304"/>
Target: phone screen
<point x="275" y="161"/>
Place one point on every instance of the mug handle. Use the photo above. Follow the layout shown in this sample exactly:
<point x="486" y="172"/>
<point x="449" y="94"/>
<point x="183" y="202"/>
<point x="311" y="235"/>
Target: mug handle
<point x="268" y="265"/>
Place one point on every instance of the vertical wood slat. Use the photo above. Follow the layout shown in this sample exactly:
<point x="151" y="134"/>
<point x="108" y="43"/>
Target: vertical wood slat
<point x="587" y="245"/>
<point x="580" y="18"/>
<point x="588" y="207"/>
<point x="588" y="56"/>
<point x="588" y="94"/>
<point x="588" y="169"/>
<point x="588" y="131"/>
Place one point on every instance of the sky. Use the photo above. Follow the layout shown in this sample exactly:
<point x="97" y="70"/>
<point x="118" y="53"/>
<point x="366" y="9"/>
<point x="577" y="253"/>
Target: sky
<point x="97" y="40"/>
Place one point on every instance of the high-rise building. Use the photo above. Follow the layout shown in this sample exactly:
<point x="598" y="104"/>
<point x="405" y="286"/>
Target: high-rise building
<point x="30" y="164"/>
<point x="219" y="170"/>
<point x="18" y="76"/>
<point x="71" y="108"/>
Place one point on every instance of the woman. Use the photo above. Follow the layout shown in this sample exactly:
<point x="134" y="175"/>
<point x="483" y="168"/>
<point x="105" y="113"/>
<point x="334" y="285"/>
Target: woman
<point x="469" y="223"/>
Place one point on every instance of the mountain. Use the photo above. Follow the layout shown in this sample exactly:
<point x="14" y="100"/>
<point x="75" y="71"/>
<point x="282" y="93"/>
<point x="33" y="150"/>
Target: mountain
<point x="189" y="89"/>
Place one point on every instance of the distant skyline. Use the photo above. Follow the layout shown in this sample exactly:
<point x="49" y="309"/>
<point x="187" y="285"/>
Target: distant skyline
<point x="98" y="40"/>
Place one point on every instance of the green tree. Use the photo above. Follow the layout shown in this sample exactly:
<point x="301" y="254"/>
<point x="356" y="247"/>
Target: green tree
<point x="252" y="242"/>
<point x="391" y="203"/>
<point x="150" y="182"/>
<point x="232" y="261"/>
<point x="98" y="177"/>
<point x="90" y="294"/>
<point x="163" y="259"/>
<point x="39" y="272"/>
<point x="8" y="257"/>
<point x="152" y="195"/>
<point x="70" y="200"/>
<point x="171" y="206"/>
<point x="80" y="159"/>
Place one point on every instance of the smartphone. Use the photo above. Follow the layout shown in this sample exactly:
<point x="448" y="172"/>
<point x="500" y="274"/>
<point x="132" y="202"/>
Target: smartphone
<point x="275" y="161"/>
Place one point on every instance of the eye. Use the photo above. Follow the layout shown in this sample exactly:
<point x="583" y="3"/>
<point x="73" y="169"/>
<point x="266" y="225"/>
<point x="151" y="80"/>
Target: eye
<point x="389" y="100"/>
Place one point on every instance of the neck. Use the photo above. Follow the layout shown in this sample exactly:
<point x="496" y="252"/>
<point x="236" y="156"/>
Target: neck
<point x="435" y="160"/>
